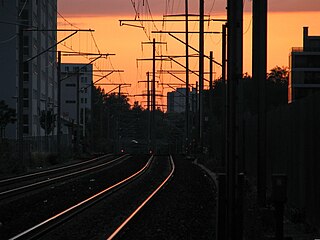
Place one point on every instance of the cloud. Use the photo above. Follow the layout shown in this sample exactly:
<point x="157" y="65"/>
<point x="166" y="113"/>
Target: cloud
<point x="294" y="5"/>
<point x="158" y="7"/>
<point x="94" y="7"/>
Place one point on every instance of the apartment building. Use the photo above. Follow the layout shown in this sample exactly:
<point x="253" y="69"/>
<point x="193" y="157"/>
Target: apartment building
<point x="76" y="83"/>
<point x="176" y="100"/>
<point x="38" y="19"/>
<point x="304" y="64"/>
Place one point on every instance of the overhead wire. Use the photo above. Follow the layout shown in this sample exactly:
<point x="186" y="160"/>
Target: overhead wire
<point x="9" y="39"/>
<point x="24" y="5"/>
<point x="94" y="42"/>
<point x="249" y="26"/>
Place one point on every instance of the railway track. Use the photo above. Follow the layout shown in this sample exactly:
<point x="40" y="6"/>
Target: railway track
<point x="122" y="201"/>
<point x="44" y="173"/>
<point x="21" y="184"/>
<point x="26" y="209"/>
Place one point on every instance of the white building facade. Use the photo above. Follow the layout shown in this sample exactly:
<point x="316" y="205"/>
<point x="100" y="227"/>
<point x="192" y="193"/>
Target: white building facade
<point x="176" y="100"/>
<point x="76" y="83"/>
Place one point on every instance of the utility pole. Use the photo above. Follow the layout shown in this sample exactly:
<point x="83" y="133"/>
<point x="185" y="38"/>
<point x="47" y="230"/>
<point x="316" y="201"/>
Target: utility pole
<point x="224" y="95"/>
<point x="210" y="114"/>
<point x="153" y="143"/>
<point x="20" y="96"/>
<point x="148" y="107"/>
<point x="148" y="104"/>
<point x="59" y="104"/>
<point x="153" y="78"/>
<point x="187" y="75"/>
<point x="234" y="71"/>
<point x="259" y="73"/>
<point x="211" y="71"/>
<point x="186" y="32"/>
<point x="153" y="89"/>
<point x="148" y="91"/>
<point x="201" y="72"/>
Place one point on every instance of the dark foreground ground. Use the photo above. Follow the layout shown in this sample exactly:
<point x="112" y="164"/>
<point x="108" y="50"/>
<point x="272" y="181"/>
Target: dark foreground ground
<point x="184" y="209"/>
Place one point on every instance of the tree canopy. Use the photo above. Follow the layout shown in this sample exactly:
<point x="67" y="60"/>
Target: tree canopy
<point x="7" y="115"/>
<point x="47" y="120"/>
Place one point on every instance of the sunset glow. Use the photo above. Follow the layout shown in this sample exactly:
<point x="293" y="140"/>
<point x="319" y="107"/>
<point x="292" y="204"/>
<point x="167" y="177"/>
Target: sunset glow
<point x="284" y="32"/>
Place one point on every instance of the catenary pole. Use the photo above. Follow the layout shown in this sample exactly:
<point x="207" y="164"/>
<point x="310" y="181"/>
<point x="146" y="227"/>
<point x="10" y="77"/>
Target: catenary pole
<point x="59" y="104"/>
<point x="20" y="97"/>
<point x="234" y="73"/>
<point x="201" y="70"/>
<point x="259" y="73"/>
<point x="187" y="75"/>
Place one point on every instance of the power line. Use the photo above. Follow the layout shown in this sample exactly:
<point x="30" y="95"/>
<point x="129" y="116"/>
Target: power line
<point x="9" y="39"/>
<point x="24" y="5"/>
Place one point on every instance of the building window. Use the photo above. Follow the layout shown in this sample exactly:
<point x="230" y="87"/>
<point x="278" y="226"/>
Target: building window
<point x="26" y="77"/>
<point x="25" y="103"/>
<point x="70" y="85"/>
<point x="81" y="115"/>
<point x="25" y="67"/>
<point x="67" y="69"/>
<point x="25" y="41"/>
<point x="26" y="50"/>
<point x="25" y="93"/>
<point x="25" y="118"/>
<point x="26" y="129"/>
<point x="70" y="101"/>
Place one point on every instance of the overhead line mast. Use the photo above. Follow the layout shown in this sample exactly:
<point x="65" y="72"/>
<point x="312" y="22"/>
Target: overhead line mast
<point x="201" y="19"/>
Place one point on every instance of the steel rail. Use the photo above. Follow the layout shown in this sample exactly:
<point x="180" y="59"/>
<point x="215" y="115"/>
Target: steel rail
<point x="18" y="190"/>
<point x="36" y="174"/>
<point x="61" y="217"/>
<point x="144" y="202"/>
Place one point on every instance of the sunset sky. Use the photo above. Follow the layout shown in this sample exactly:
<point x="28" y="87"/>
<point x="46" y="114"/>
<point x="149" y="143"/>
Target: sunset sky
<point x="285" y="22"/>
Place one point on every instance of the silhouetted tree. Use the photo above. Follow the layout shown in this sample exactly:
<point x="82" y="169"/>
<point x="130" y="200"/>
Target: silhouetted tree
<point x="136" y="107"/>
<point x="99" y="122"/>
<point x="47" y="120"/>
<point x="277" y="87"/>
<point x="276" y="95"/>
<point x="278" y="75"/>
<point x="116" y="104"/>
<point x="7" y="115"/>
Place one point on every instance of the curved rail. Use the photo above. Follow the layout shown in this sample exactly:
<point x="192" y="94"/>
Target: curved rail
<point x="144" y="202"/>
<point x="61" y="217"/>
<point x="37" y="174"/>
<point x="32" y="186"/>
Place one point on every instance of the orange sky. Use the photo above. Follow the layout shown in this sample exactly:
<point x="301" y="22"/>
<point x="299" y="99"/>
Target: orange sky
<point x="284" y="32"/>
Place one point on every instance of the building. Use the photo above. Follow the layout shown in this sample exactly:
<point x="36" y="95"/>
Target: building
<point x="176" y="100"/>
<point x="76" y="98"/>
<point x="304" y="64"/>
<point x="39" y="73"/>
